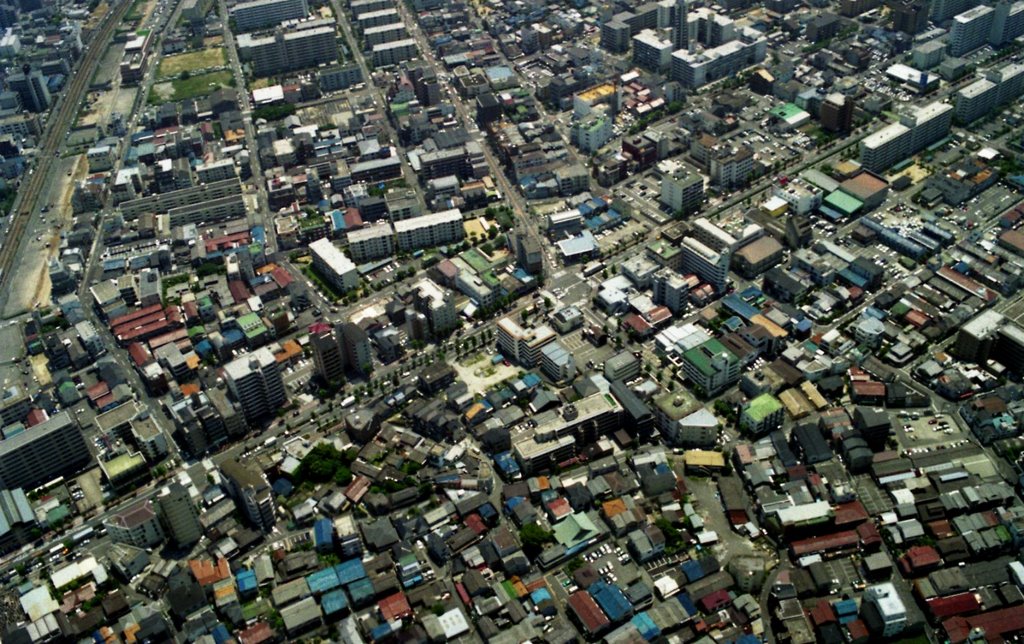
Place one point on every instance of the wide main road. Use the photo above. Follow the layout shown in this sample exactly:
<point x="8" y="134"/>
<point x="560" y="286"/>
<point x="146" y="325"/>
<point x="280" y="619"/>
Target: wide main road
<point x="53" y="134"/>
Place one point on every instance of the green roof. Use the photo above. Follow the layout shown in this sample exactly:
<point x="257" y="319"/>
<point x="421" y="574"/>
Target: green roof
<point x="663" y="249"/>
<point x="701" y="356"/>
<point x="763" y="406"/>
<point x="251" y="325"/>
<point x="120" y="465"/>
<point x="787" y="111"/>
<point x="843" y="202"/>
<point x="575" y="529"/>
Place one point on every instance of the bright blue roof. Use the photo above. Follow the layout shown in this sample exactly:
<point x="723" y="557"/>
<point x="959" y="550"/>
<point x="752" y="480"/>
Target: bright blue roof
<point x="259" y="234"/>
<point x="540" y="595"/>
<point x="246" y="580"/>
<point x="220" y="634"/>
<point x="646" y="626"/>
<point x="531" y="380"/>
<point x="845" y="607"/>
<point x="611" y="600"/>
<point x="349" y="571"/>
<point x="692" y="569"/>
<point x="736" y="304"/>
<point x="323" y="580"/>
<point x="334" y="602"/>
<point x="323" y="531"/>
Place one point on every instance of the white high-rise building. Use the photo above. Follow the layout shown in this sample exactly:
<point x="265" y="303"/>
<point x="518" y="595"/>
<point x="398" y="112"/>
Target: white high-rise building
<point x="255" y="381"/>
<point x="706" y="263"/>
<point x="883" y="610"/>
<point x="258" y="14"/>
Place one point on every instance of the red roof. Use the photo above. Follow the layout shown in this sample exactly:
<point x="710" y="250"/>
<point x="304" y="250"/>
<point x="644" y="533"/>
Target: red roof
<point x="35" y="416"/>
<point x="713" y="601"/>
<point x="850" y="513"/>
<point x="281" y="277"/>
<point x="239" y="291"/>
<point x="858" y="630"/>
<point x="227" y="241"/>
<point x="961" y="604"/>
<point x="395" y="607"/>
<point x="919" y="558"/>
<point x="256" y="634"/>
<point x="588" y="613"/>
<point x="822" y="613"/>
<point x="997" y="624"/>
<point x="868" y="534"/>
<point x="867" y="388"/>
<point x="98" y="390"/>
<point x="637" y="323"/>
<point x="476" y="524"/>
<point x="835" y="541"/>
<point x="191" y="309"/>
<point x="171" y="336"/>
<point x="128" y="317"/>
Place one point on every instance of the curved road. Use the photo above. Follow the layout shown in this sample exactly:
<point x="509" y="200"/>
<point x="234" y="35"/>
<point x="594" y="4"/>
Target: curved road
<point x="50" y="142"/>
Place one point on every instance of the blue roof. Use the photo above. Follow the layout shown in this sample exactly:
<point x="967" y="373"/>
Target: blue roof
<point x="804" y="325"/>
<point x="687" y="604"/>
<point x="323" y="531"/>
<point x="611" y="600"/>
<point x="381" y="631"/>
<point x="334" y="602"/>
<point x="540" y="595"/>
<point x="361" y="590"/>
<point x="233" y="336"/>
<point x="246" y="581"/>
<point x="220" y="634"/>
<point x="350" y="571"/>
<point x="282" y="487"/>
<point x="259" y="234"/>
<point x="338" y="220"/>
<point x="323" y="580"/>
<point x="531" y="380"/>
<point x="853" y="278"/>
<point x="487" y="511"/>
<point x="692" y="569"/>
<point x="845" y="607"/>
<point x="513" y="502"/>
<point x="646" y="626"/>
<point x="737" y="305"/>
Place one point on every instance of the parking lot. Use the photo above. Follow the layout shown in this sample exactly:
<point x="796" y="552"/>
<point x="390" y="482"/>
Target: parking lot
<point x="927" y="429"/>
<point x="845" y="573"/>
<point x="875" y="499"/>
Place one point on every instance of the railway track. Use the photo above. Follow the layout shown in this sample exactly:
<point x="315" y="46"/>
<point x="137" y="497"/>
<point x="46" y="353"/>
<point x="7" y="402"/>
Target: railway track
<point x="53" y="133"/>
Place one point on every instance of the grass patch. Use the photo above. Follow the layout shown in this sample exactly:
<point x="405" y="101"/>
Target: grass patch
<point x="173" y="66"/>
<point x="472" y="360"/>
<point x="192" y="87"/>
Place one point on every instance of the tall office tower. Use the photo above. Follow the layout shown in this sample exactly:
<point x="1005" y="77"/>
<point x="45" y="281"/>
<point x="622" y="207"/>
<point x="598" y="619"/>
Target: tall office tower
<point x="178" y="514"/>
<point x="255" y="381"/>
<point x="30" y="84"/>
<point x="355" y="347"/>
<point x="680" y="30"/>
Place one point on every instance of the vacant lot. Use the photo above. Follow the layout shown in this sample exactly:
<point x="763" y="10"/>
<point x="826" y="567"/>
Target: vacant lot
<point x="173" y="66"/>
<point x="180" y="89"/>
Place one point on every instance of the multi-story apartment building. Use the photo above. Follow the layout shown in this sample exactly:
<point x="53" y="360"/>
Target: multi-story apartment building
<point x="430" y="230"/>
<point x="43" y="452"/>
<point x="371" y="242"/>
<point x="651" y="51"/>
<point x="706" y="263"/>
<point x="251" y="492"/>
<point x="915" y="131"/>
<point x="696" y="69"/>
<point x="221" y="170"/>
<point x="711" y="366"/>
<point x="383" y="34"/>
<point x="561" y="435"/>
<point x="14" y="405"/>
<point x="970" y="30"/>
<point x="178" y="514"/>
<point x="254" y="379"/>
<point x="334" y="265"/>
<point x="392" y="53"/>
<point x="136" y="525"/>
<point x="523" y="345"/>
<point x="682" y="189"/>
<point x="437" y="303"/>
<point x="290" y="48"/>
<point x="186" y="198"/>
<point x="259" y="14"/>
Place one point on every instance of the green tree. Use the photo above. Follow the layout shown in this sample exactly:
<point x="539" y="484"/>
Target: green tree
<point x="533" y="538"/>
